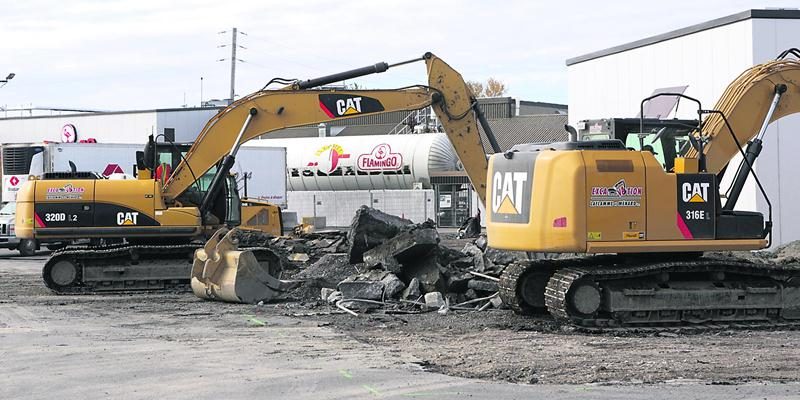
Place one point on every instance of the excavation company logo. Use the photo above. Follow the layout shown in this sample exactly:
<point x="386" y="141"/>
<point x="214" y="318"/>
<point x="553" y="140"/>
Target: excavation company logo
<point x="328" y="157"/>
<point x="342" y="105"/>
<point x="511" y="196"/>
<point x="695" y="192"/>
<point x="380" y="159"/>
<point x="127" y="218"/>
<point x="67" y="192"/>
<point x="619" y="195"/>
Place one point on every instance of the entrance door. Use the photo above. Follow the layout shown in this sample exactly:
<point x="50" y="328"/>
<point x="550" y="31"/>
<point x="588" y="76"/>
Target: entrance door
<point x="453" y="203"/>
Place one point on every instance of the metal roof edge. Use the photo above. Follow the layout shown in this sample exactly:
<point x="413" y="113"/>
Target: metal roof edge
<point x="714" y="23"/>
<point x="93" y="114"/>
<point x="542" y="104"/>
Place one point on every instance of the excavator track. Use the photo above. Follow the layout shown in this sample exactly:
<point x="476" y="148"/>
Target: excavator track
<point x="610" y="293"/>
<point x="526" y="299"/>
<point x="127" y="268"/>
<point x="119" y="268"/>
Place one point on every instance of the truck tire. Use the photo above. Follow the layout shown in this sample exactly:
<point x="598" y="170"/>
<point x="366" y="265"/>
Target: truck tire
<point x="27" y="247"/>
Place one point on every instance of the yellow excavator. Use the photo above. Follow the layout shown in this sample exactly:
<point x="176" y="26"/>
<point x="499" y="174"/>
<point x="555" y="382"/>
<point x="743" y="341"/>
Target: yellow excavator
<point x="641" y="226"/>
<point x="638" y="226"/>
<point x="158" y="218"/>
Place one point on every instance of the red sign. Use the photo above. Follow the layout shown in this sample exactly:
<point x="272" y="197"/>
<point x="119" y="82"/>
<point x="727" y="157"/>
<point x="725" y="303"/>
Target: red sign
<point x="380" y="159"/>
<point x="13" y="181"/>
<point x="69" y="134"/>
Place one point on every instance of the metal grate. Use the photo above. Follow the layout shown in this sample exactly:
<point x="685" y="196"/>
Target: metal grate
<point x="17" y="160"/>
<point x="70" y="175"/>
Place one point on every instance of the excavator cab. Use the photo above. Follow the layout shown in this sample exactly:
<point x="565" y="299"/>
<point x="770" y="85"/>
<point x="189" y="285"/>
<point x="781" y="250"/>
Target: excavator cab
<point x="226" y="208"/>
<point x="666" y="138"/>
<point x="665" y="143"/>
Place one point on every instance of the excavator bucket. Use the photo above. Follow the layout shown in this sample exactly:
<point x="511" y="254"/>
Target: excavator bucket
<point x="221" y="271"/>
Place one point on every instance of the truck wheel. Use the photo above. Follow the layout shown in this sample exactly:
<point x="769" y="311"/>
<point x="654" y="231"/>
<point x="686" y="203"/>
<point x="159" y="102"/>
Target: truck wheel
<point x="27" y="247"/>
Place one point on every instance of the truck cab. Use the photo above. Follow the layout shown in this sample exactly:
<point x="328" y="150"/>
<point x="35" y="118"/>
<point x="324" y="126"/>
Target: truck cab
<point x="8" y="237"/>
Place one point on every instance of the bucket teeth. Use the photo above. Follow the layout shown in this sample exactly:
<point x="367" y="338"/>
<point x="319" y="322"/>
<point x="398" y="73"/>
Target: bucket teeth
<point x="221" y="271"/>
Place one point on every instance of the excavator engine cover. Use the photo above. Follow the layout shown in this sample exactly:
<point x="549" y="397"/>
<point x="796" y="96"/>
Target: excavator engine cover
<point x="221" y="271"/>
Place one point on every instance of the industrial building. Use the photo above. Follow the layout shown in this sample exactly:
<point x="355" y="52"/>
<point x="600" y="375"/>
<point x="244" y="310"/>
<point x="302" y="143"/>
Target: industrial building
<point x="701" y="60"/>
<point x="324" y="187"/>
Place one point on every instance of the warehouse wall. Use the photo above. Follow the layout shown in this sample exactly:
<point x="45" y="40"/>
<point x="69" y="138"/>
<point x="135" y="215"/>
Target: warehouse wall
<point x="339" y="207"/>
<point x="614" y="85"/>
<point x="105" y="128"/>
<point x="187" y="124"/>
<point x="120" y="127"/>
<point x="779" y="164"/>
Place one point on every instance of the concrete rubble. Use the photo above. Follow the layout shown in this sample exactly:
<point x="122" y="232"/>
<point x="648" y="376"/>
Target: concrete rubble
<point x="391" y="264"/>
<point x="369" y="229"/>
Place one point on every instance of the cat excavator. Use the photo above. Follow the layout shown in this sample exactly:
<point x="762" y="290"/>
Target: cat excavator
<point x="163" y="221"/>
<point x="631" y="232"/>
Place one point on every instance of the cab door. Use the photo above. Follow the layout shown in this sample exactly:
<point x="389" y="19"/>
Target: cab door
<point x="123" y="204"/>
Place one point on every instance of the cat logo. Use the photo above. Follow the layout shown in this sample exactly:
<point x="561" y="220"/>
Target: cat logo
<point x="343" y="105"/>
<point x="127" y="218"/>
<point x="348" y="106"/>
<point x="507" y="190"/>
<point x="695" y="192"/>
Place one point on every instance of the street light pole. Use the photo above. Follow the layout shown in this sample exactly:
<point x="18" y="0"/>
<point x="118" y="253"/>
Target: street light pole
<point x="8" y="78"/>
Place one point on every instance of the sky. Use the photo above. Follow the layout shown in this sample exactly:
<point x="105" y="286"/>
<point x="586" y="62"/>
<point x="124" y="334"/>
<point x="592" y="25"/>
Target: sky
<point x="145" y="54"/>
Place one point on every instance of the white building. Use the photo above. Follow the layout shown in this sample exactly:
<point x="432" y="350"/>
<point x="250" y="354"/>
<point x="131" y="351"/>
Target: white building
<point x="706" y="57"/>
<point x="178" y="124"/>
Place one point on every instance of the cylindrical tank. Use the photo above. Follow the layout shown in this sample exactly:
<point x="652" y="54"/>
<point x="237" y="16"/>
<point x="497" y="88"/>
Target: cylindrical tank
<point x="364" y="162"/>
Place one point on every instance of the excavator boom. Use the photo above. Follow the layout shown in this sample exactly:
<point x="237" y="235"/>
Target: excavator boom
<point x="295" y="105"/>
<point x="746" y="104"/>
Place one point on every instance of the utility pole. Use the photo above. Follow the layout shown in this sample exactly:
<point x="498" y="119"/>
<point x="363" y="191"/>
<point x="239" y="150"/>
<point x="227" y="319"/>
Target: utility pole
<point x="234" y="37"/>
<point x="201" y="91"/>
<point x="233" y="63"/>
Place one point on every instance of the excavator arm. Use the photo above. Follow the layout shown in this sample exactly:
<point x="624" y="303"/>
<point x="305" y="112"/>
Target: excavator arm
<point x="746" y="105"/>
<point x="296" y="105"/>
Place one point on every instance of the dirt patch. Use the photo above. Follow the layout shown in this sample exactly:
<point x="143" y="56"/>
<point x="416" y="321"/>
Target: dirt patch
<point x="500" y="345"/>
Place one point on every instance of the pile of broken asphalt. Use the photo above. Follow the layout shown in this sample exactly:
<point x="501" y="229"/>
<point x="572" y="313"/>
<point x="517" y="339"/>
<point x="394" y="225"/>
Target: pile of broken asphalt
<point x="387" y="263"/>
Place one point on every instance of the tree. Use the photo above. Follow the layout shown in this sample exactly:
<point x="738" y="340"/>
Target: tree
<point x="494" y="88"/>
<point x="476" y="88"/>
